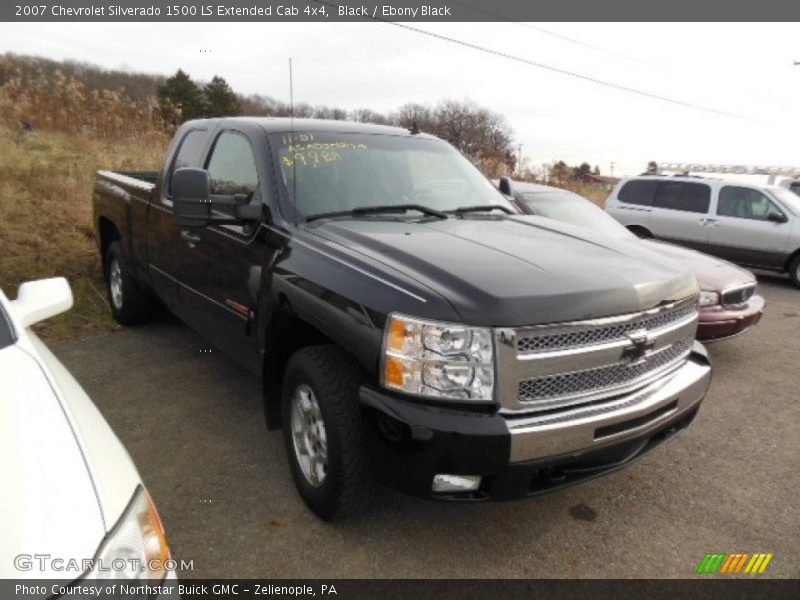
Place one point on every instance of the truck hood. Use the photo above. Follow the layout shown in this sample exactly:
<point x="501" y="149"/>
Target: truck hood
<point x="713" y="274"/>
<point x="48" y="504"/>
<point x="517" y="270"/>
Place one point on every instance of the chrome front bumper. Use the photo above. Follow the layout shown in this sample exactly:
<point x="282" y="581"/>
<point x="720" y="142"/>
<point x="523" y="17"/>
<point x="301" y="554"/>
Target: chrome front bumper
<point x="597" y="425"/>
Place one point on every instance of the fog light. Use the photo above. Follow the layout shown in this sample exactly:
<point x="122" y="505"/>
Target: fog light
<point x="455" y="483"/>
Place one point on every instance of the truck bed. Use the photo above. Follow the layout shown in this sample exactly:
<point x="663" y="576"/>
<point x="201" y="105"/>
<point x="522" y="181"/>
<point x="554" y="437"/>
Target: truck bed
<point x="141" y="179"/>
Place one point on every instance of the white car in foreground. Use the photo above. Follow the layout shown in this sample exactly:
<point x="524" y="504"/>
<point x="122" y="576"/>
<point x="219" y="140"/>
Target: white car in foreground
<point x="72" y="504"/>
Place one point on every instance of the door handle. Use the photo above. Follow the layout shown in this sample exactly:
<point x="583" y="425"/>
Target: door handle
<point x="190" y="238"/>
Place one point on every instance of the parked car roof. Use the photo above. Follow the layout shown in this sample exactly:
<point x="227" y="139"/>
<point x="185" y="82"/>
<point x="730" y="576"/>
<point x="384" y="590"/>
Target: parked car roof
<point x="716" y="181"/>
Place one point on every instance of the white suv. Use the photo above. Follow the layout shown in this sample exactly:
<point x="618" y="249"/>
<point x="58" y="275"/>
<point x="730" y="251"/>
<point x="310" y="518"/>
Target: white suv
<point x="753" y="225"/>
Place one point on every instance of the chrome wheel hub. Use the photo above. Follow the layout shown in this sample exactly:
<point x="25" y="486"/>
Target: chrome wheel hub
<point x="115" y="283"/>
<point x="308" y="435"/>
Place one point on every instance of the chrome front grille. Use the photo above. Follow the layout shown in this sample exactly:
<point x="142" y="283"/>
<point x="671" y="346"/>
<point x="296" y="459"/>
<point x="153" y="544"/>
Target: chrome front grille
<point x="547" y="367"/>
<point x="739" y="295"/>
<point x="588" y="333"/>
<point x="575" y="384"/>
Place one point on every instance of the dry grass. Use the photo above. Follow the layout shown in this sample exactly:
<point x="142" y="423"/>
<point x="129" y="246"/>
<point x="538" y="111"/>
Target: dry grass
<point x="595" y="194"/>
<point x="46" y="178"/>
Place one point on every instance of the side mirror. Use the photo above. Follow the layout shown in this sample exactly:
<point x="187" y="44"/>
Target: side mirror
<point x="777" y="217"/>
<point x="193" y="202"/>
<point x="41" y="299"/>
<point x="191" y="197"/>
<point x="505" y="186"/>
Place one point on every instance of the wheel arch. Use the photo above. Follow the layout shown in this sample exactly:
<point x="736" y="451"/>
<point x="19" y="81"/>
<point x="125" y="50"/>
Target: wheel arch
<point x="108" y="233"/>
<point x="285" y="334"/>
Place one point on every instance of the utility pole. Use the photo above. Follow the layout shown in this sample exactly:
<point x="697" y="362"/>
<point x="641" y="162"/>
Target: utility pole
<point x="519" y="161"/>
<point x="612" y="169"/>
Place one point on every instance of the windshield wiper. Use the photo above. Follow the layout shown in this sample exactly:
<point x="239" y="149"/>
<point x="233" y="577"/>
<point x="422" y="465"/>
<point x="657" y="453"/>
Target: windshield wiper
<point x="483" y="208"/>
<point x="374" y="210"/>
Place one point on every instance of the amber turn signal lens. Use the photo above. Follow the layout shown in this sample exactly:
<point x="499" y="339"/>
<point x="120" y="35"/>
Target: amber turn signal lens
<point x="398" y="333"/>
<point x="157" y="548"/>
<point x="393" y="369"/>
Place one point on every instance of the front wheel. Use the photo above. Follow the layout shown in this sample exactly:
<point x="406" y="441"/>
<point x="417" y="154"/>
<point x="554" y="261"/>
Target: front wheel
<point x="323" y="432"/>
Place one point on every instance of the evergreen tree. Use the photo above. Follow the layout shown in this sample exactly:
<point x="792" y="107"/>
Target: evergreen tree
<point x="180" y="99"/>
<point x="221" y="100"/>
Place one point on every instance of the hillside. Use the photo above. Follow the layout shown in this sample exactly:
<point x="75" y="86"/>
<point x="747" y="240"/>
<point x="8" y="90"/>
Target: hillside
<point x="55" y="133"/>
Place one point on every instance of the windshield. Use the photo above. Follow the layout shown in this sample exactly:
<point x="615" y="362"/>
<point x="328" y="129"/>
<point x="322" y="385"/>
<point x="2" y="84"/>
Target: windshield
<point x="575" y="210"/>
<point x="333" y="172"/>
<point x="789" y="199"/>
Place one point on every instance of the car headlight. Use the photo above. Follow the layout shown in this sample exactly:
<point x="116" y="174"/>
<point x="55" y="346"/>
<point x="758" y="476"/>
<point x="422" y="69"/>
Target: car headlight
<point x="136" y="548"/>
<point x="709" y="298"/>
<point x="447" y="361"/>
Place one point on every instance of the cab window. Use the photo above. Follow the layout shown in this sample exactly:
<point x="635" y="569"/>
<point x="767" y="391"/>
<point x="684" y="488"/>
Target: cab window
<point x="232" y="167"/>
<point x="744" y="203"/>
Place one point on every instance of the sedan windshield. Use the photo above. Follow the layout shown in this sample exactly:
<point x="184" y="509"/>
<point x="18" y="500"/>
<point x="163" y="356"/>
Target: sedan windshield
<point x="575" y="210"/>
<point x="339" y="172"/>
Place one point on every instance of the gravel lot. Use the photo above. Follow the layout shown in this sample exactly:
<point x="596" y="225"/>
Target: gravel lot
<point x="193" y="423"/>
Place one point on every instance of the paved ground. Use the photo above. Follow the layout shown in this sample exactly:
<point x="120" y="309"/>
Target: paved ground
<point x="193" y="422"/>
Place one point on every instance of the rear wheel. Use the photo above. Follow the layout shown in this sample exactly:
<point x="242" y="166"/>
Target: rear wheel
<point x="794" y="270"/>
<point x="129" y="303"/>
<point x="323" y="432"/>
<point x="641" y="232"/>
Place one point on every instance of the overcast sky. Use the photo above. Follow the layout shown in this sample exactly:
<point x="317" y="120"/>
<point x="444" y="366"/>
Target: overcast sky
<point x="744" y="69"/>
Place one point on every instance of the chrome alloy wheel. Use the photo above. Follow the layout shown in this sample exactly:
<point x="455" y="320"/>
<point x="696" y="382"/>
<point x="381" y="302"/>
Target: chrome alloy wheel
<point x="308" y="434"/>
<point x="115" y="283"/>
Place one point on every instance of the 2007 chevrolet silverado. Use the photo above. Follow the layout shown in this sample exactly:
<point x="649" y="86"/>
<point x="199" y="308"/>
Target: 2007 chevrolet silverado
<point x="409" y="325"/>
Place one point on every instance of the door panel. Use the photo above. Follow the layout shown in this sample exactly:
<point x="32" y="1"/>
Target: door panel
<point x="680" y="210"/>
<point x="170" y="259"/>
<point x="219" y="289"/>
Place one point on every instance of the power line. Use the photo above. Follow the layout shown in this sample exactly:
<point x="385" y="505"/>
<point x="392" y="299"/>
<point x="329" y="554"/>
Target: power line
<point x="554" y="69"/>
<point x="568" y="73"/>
<point x="557" y="35"/>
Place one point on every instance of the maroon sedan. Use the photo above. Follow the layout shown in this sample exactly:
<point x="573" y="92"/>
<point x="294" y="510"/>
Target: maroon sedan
<point x="729" y="303"/>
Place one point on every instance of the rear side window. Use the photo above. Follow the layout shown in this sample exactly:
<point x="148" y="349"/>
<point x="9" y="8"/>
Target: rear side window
<point x="638" y="191"/>
<point x="189" y="154"/>
<point x="682" y="195"/>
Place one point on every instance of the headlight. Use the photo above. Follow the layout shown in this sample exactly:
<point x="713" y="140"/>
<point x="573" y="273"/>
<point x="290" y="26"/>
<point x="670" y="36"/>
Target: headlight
<point x="447" y="361"/>
<point x="136" y="548"/>
<point x="709" y="298"/>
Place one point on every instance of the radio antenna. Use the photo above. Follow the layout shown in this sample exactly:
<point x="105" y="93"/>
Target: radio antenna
<point x="291" y="138"/>
<point x="291" y="94"/>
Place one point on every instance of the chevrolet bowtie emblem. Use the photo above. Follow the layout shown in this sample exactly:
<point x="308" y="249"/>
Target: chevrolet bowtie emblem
<point x="640" y="345"/>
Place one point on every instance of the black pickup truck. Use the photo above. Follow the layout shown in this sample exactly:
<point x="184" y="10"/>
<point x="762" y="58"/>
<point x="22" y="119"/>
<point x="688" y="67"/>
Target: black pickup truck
<point x="410" y="326"/>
